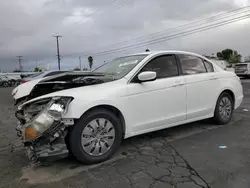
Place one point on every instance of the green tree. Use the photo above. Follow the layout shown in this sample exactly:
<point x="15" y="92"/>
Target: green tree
<point x="90" y="60"/>
<point x="37" y="69"/>
<point x="219" y="55"/>
<point x="230" y="56"/>
<point x="77" y="69"/>
<point x="84" y="69"/>
<point x="225" y="54"/>
<point x="234" y="58"/>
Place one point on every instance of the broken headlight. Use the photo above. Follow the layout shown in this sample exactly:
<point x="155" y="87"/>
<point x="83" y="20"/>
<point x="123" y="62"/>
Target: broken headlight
<point x="52" y="113"/>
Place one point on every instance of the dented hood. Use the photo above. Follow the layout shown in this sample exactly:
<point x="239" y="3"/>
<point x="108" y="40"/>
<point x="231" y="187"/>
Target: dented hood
<point x="69" y="80"/>
<point x="24" y="89"/>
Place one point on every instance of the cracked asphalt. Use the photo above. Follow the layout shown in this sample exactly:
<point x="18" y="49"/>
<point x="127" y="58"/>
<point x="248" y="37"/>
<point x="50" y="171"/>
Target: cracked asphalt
<point x="181" y="157"/>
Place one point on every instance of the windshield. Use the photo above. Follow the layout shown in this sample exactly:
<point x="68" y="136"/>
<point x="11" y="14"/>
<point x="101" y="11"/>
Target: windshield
<point x="35" y="75"/>
<point x="121" y="66"/>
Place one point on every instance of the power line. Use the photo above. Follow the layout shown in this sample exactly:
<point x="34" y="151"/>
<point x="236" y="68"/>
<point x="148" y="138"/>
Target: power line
<point x="170" y="37"/>
<point x="225" y="14"/>
<point x="166" y="37"/>
<point x="58" y="52"/>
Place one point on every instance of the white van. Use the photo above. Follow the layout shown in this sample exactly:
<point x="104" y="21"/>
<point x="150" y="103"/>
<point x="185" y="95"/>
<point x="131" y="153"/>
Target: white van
<point x="242" y="69"/>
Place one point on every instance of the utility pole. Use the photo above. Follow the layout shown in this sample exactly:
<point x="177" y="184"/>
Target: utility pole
<point x="20" y="62"/>
<point x="58" y="52"/>
<point x="80" y="63"/>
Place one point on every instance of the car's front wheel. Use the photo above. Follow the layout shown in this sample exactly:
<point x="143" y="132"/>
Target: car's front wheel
<point x="224" y="109"/>
<point x="96" y="136"/>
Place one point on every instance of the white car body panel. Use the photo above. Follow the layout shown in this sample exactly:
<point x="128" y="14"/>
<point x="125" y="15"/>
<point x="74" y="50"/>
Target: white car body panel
<point x="200" y="99"/>
<point x="158" y="104"/>
<point x="149" y="94"/>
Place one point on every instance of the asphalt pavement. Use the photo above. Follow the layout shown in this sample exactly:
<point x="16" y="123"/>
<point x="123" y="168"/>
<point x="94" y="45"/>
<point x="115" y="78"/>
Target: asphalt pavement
<point x="193" y="155"/>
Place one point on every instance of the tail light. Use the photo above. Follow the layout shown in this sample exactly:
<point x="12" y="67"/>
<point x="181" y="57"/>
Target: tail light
<point x="24" y="81"/>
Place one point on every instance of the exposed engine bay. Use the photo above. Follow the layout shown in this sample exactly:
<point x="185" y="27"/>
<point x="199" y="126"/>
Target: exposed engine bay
<point x="65" y="81"/>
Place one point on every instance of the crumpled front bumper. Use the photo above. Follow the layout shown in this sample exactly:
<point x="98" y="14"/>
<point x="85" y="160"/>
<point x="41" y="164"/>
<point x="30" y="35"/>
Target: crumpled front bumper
<point x="49" y="147"/>
<point x="47" y="153"/>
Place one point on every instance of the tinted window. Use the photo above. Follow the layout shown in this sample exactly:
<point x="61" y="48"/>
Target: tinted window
<point x="192" y="65"/>
<point x="209" y="66"/>
<point x="54" y="73"/>
<point x="164" y="66"/>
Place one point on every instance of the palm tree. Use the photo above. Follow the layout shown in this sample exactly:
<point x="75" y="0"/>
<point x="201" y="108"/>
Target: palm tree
<point x="90" y="60"/>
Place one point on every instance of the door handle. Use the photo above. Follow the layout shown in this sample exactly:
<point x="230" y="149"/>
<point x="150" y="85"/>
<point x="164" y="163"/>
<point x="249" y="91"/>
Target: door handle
<point x="213" y="78"/>
<point x="178" y="83"/>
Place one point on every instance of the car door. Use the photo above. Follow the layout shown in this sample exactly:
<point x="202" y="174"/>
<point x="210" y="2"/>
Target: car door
<point x="160" y="103"/>
<point x="202" y="86"/>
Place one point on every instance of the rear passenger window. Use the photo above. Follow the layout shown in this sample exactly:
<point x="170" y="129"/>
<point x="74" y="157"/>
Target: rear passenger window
<point x="209" y="66"/>
<point x="192" y="65"/>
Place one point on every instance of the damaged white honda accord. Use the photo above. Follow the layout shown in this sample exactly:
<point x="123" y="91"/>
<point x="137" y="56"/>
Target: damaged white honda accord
<point x="88" y="115"/>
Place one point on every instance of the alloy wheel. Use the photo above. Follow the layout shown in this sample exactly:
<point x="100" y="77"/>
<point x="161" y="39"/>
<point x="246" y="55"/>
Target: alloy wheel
<point x="98" y="137"/>
<point x="225" y="108"/>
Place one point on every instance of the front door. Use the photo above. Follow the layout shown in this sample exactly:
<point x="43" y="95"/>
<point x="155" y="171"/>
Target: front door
<point x="157" y="104"/>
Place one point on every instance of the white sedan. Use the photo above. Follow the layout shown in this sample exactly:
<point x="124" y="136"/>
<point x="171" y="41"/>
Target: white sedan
<point x="148" y="92"/>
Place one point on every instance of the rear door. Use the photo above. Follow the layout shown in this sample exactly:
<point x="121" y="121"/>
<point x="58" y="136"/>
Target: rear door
<point x="202" y="85"/>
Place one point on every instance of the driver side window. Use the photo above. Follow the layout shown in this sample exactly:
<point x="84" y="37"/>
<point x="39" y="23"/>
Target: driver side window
<point x="164" y="66"/>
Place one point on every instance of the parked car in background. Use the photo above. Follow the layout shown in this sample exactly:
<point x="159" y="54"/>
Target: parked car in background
<point x="128" y="96"/>
<point x="243" y="69"/>
<point x="4" y="82"/>
<point x="41" y="75"/>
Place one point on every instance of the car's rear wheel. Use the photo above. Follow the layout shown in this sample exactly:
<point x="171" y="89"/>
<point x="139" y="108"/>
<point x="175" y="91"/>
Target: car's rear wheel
<point x="224" y="109"/>
<point x="96" y="136"/>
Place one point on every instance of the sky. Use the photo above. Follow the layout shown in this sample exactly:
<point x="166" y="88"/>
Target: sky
<point x="89" y="27"/>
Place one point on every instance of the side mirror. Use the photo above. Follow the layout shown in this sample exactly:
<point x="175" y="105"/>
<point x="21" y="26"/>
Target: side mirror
<point x="147" y="76"/>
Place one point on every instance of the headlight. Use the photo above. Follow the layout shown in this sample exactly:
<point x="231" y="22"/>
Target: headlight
<point x="44" y="120"/>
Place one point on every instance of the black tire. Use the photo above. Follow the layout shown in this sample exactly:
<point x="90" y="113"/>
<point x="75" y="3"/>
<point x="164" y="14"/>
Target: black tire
<point x="5" y="84"/>
<point x="76" y="133"/>
<point x="217" y="116"/>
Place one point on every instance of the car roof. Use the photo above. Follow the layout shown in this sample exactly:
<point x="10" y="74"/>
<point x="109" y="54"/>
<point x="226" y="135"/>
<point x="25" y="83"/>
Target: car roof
<point x="167" y="52"/>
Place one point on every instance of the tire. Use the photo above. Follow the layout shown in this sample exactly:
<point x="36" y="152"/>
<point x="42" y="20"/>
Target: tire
<point x="5" y="84"/>
<point x="84" y="125"/>
<point x="218" y="117"/>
